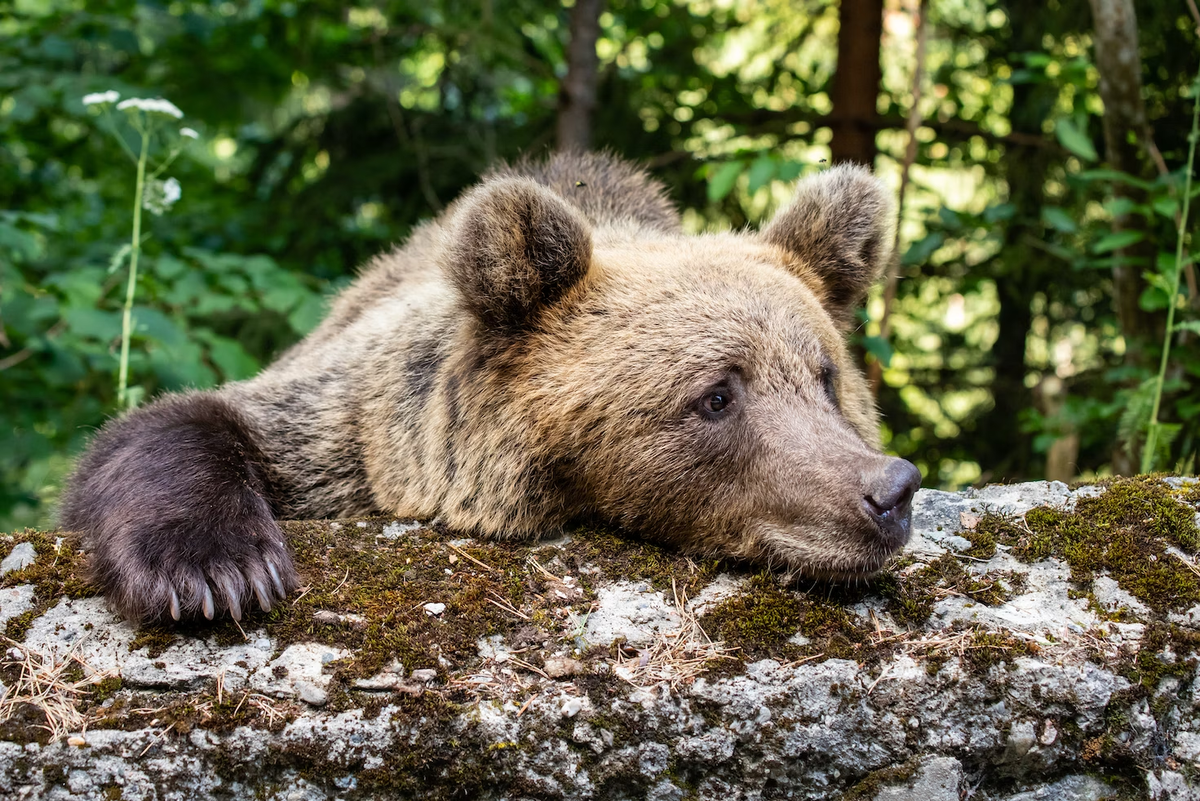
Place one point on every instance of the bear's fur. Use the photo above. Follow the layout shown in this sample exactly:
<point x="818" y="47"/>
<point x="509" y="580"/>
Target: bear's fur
<point x="551" y="348"/>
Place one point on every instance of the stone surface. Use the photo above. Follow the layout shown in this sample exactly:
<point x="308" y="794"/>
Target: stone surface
<point x="607" y="686"/>
<point x="938" y="779"/>
<point x="20" y="556"/>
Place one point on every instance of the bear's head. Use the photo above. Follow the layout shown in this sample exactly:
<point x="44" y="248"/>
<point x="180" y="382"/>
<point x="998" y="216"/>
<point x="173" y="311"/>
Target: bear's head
<point x="695" y="389"/>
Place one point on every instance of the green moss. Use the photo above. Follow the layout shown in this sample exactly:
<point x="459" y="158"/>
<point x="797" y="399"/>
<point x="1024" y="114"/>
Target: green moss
<point x="984" y="535"/>
<point x="18" y="625"/>
<point x="156" y="637"/>
<point x="987" y="649"/>
<point x="55" y="571"/>
<point x="104" y="689"/>
<point x="621" y="557"/>
<point x="911" y="596"/>
<point x="1124" y="532"/>
<point x="759" y="620"/>
<point x="1165" y="650"/>
<point x="376" y="589"/>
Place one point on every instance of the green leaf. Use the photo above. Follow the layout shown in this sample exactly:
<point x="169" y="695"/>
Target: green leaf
<point x="1115" y="176"/>
<point x="307" y="314"/>
<point x="789" y="170"/>
<point x="285" y="294"/>
<point x="1075" y="140"/>
<point x="168" y="268"/>
<point x="722" y="179"/>
<point x="998" y="212"/>
<point x="1118" y="206"/>
<point x="1189" y="325"/>
<point x="1058" y="219"/>
<point x="1162" y="435"/>
<point x="1153" y="298"/>
<point x="182" y="367"/>
<point x="950" y="218"/>
<point x="880" y="348"/>
<point x="154" y="325"/>
<point x="104" y="326"/>
<point x="1135" y="417"/>
<point x="22" y="246"/>
<point x="761" y="173"/>
<point x="920" y="251"/>
<point x="1160" y="281"/>
<point x="229" y="356"/>
<point x="80" y="287"/>
<point x="1166" y="207"/>
<point x="1116" y="240"/>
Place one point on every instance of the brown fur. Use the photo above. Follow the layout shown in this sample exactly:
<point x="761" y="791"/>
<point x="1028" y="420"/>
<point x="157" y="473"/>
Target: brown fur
<point x="549" y="349"/>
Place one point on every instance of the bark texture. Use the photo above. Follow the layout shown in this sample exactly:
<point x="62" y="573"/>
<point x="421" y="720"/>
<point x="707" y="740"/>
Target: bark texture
<point x="1120" y="68"/>
<point x="856" y="83"/>
<point x="577" y="98"/>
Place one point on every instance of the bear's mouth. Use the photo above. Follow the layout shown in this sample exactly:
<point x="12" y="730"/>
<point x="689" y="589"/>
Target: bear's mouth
<point x="838" y="556"/>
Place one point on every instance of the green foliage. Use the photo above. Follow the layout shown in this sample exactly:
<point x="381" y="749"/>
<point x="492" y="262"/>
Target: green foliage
<point x="326" y="132"/>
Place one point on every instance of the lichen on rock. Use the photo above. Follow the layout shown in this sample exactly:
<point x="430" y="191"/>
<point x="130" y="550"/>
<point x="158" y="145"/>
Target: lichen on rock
<point x="1032" y="641"/>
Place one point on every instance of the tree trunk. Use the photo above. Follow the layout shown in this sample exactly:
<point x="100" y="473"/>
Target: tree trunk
<point x="577" y="97"/>
<point x="1004" y="451"/>
<point x="856" y="83"/>
<point x="1120" y="66"/>
<point x="1125" y="128"/>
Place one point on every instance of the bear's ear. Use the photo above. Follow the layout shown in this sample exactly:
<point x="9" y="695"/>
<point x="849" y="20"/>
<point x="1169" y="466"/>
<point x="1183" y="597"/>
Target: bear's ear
<point x="515" y="247"/>
<point x="839" y="228"/>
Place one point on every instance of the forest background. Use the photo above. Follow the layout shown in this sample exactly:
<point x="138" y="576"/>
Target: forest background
<point x="1040" y="147"/>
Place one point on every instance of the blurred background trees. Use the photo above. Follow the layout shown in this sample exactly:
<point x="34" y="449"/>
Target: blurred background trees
<point x="1036" y="242"/>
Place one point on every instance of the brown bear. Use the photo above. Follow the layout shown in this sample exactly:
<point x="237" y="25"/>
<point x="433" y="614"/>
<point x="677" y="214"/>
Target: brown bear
<point x="551" y="348"/>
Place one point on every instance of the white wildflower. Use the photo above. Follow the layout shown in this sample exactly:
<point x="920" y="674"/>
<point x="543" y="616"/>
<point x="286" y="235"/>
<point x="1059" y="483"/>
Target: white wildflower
<point x="189" y="133"/>
<point x="96" y="98"/>
<point x="148" y="104"/>
<point x="159" y="196"/>
<point x="172" y="191"/>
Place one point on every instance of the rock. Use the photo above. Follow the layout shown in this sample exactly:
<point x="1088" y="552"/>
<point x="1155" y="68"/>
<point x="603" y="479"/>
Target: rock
<point x="15" y="601"/>
<point x="396" y="529"/>
<point x="22" y="555"/>
<point x="628" y="671"/>
<point x="937" y="779"/>
<point x="1071" y="788"/>
<point x="557" y="667"/>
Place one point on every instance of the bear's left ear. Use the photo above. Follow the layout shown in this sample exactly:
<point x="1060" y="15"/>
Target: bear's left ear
<point x="839" y="227"/>
<point x="515" y="247"/>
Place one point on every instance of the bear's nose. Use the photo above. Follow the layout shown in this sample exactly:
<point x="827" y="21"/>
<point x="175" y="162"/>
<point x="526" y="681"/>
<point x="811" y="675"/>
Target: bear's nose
<point x="888" y="500"/>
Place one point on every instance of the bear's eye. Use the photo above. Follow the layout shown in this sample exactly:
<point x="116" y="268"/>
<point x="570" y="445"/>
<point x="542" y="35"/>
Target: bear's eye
<point x="829" y="382"/>
<point x="716" y="403"/>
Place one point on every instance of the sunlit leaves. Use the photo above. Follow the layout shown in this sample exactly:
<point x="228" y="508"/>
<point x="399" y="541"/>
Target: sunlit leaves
<point x="1071" y="136"/>
<point x="722" y="179"/>
<point x="1059" y="219"/>
<point x="1117" y="240"/>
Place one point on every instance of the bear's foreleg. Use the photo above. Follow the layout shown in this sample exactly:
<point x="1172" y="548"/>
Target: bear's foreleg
<point x="174" y="503"/>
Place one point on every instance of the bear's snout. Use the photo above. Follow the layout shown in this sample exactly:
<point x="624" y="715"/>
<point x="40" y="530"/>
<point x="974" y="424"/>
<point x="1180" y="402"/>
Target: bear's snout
<point x="888" y="500"/>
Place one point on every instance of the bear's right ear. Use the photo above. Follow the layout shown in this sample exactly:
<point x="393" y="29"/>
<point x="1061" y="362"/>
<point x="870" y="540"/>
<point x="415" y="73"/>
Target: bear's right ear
<point x="514" y="248"/>
<point x="839" y="228"/>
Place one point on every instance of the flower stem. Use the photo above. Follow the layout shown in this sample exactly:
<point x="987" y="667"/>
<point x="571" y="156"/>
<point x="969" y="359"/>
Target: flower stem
<point x="1152" y="430"/>
<point x="135" y="247"/>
